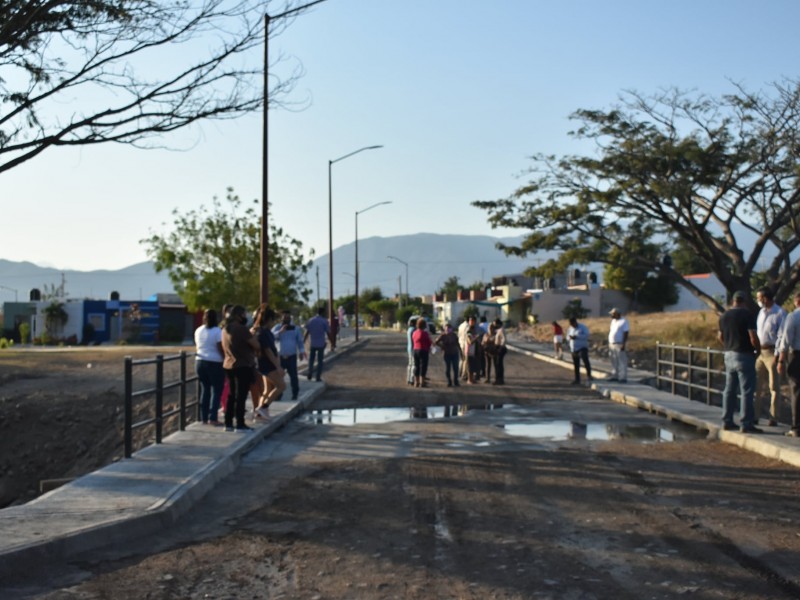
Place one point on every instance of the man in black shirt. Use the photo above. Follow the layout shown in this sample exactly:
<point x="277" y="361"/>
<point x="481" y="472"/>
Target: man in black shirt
<point x="737" y="332"/>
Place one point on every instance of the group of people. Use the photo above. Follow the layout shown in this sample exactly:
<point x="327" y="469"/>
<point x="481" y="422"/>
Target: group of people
<point x="253" y="358"/>
<point x="759" y="348"/>
<point x="469" y="355"/>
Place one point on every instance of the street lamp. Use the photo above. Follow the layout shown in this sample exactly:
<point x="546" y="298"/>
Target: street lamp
<point x="264" y="279"/>
<point x="330" y="225"/>
<point x="358" y="212"/>
<point x="406" y="264"/>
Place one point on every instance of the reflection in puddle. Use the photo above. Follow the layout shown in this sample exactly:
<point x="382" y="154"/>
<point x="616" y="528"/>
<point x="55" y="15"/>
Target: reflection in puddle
<point x="355" y="416"/>
<point x="571" y="430"/>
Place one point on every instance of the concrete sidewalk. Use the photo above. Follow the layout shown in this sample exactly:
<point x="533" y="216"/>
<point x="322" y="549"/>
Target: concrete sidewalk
<point x="141" y="495"/>
<point x="639" y="393"/>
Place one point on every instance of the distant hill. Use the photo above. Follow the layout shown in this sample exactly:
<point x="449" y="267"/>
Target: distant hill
<point x="137" y="282"/>
<point x="432" y="258"/>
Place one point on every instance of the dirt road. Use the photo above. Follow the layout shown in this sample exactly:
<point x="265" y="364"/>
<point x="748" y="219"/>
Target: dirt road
<point x="558" y="494"/>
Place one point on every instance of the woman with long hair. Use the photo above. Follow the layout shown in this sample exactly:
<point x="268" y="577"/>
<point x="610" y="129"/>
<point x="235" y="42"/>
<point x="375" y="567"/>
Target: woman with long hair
<point x="239" y="347"/>
<point x="269" y="363"/>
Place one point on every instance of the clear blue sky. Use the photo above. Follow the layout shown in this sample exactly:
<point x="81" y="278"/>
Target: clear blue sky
<point x="459" y="92"/>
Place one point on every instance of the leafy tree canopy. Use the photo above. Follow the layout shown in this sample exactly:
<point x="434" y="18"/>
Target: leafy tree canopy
<point x="126" y="71"/>
<point x="213" y="257"/>
<point x="681" y="166"/>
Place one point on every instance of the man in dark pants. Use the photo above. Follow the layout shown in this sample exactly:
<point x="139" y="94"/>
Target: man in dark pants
<point x="578" y="336"/>
<point x="317" y="330"/>
<point x="290" y="342"/>
<point x="789" y="362"/>
<point x="737" y="332"/>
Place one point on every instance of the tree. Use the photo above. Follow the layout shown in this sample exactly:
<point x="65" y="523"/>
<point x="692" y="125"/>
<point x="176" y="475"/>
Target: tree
<point x="450" y="287"/>
<point x="720" y="174"/>
<point x="626" y="271"/>
<point x="127" y="71"/>
<point x="213" y="257"/>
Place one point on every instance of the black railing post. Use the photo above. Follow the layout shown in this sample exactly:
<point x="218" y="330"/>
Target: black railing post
<point x="128" y="428"/>
<point x="182" y="393"/>
<point x="159" y="397"/>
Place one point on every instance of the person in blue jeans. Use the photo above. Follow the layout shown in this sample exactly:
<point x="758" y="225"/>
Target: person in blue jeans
<point x="208" y="366"/>
<point x="738" y="334"/>
<point x="290" y="342"/>
<point x="317" y="331"/>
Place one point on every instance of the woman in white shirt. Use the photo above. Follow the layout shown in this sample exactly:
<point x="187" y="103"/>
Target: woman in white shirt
<point x="208" y="365"/>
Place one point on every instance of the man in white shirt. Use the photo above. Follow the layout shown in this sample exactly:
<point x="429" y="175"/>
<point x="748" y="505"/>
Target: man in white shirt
<point x="768" y="326"/>
<point x="617" y="341"/>
<point x="789" y="362"/>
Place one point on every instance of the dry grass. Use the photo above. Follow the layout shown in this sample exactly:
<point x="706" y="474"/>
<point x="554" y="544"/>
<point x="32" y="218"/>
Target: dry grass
<point x="696" y="328"/>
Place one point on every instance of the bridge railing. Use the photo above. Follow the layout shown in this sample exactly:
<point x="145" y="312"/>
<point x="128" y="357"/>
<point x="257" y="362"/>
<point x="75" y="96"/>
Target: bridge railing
<point x="157" y="415"/>
<point x="693" y="372"/>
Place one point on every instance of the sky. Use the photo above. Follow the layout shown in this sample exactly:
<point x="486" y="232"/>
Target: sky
<point x="459" y="93"/>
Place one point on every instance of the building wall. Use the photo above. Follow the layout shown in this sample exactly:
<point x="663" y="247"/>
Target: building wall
<point x="548" y="305"/>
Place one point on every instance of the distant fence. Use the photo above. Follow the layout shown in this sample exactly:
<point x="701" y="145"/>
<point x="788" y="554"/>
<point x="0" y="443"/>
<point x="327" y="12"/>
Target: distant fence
<point x="696" y="373"/>
<point x="157" y="392"/>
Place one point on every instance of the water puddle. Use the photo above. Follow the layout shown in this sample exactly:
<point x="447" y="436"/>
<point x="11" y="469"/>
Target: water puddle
<point x="572" y="430"/>
<point x="356" y="416"/>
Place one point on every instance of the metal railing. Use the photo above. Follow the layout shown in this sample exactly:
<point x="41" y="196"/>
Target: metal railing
<point x="157" y="391"/>
<point x="697" y="373"/>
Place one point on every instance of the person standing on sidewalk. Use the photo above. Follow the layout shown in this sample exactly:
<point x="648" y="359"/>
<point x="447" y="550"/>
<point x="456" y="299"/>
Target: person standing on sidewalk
<point x="290" y="342"/>
<point x="412" y="327"/>
<point x="768" y="326"/>
<point x="558" y="340"/>
<point x="240" y="348"/>
<point x="208" y="365"/>
<point x="617" y="340"/>
<point x="578" y="335"/>
<point x="737" y="332"/>
<point x="789" y="362"/>
<point x="318" y="330"/>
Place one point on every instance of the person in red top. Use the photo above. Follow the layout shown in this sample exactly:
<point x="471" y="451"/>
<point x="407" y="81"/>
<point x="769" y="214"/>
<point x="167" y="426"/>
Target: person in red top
<point x="421" y="343"/>
<point x="558" y="339"/>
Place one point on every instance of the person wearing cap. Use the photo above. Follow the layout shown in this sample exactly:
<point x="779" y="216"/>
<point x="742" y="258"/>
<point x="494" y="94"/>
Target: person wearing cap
<point x="789" y="361"/>
<point x="617" y="340"/>
<point x="737" y="332"/>
<point x="768" y="326"/>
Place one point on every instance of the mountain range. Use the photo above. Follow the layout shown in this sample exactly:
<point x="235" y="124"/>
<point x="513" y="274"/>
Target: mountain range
<point x="430" y="258"/>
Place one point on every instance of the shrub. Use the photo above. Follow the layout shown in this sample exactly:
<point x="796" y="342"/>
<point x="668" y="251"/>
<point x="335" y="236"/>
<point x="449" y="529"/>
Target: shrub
<point x="24" y="333"/>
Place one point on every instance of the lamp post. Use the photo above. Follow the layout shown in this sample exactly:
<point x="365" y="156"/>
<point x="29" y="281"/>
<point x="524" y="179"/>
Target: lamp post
<point x="358" y="212"/>
<point x="406" y="264"/>
<point x="330" y="225"/>
<point x="264" y="275"/>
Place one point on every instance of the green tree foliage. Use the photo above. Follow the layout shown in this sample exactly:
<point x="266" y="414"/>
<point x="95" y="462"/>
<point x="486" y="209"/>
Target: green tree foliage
<point x="213" y="257"/>
<point x="126" y="71"/>
<point x="450" y="287"/>
<point x="686" y="167"/>
<point x="626" y="271"/>
<point x="575" y="308"/>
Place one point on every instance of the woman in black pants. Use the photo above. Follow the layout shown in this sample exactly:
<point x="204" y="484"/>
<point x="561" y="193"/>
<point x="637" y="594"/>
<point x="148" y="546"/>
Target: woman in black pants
<point x="239" y="347"/>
